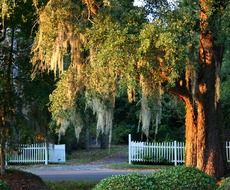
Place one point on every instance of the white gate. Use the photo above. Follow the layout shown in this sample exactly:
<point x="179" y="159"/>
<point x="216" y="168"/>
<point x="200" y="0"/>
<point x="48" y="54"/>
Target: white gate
<point x="57" y="153"/>
<point x="37" y="153"/>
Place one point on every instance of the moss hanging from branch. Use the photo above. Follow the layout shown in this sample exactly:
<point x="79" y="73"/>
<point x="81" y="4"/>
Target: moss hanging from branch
<point x="103" y="108"/>
<point x="63" y="106"/>
<point x="58" y="47"/>
<point x="58" y="36"/>
<point x="67" y="119"/>
<point x="151" y="107"/>
<point x="77" y="122"/>
<point x="145" y="116"/>
<point x="131" y="94"/>
<point x="217" y="85"/>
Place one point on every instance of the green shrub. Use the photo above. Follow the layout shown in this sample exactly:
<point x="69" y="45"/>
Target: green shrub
<point x="121" y="132"/>
<point x="183" y="178"/>
<point x="4" y="186"/>
<point x="127" y="182"/>
<point x="225" y="185"/>
<point x="71" y="185"/>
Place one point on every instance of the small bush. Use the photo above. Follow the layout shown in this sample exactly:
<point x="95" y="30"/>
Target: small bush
<point x="71" y="185"/>
<point x="4" y="186"/>
<point x="183" y="178"/>
<point x="127" y="182"/>
<point x="225" y="185"/>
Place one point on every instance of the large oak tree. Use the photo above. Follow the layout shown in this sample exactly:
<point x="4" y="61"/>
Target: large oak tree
<point x="194" y="50"/>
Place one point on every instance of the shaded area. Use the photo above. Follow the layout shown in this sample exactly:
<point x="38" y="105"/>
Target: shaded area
<point x="23" y="180"/>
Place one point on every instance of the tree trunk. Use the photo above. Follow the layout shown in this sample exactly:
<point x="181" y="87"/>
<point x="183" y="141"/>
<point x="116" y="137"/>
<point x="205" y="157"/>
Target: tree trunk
<point x="2" y="158"/>
<point x="210" y="157"/>
<point x="6" y="104"/>
<point x="190" y="134"/>
<point x="210" y="153"/>
<point x="204" y="146"/>
<point x="203" y="120"/>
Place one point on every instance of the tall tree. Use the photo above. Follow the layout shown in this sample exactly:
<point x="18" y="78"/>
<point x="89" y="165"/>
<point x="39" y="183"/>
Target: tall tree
<point x="16" y="30"/>
<point x="6" y="88"/>
<point x="192" y="51"/>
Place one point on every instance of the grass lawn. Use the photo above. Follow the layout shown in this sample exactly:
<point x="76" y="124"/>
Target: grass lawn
<point x="127" y="166"/>
<point x="71" y="185"/>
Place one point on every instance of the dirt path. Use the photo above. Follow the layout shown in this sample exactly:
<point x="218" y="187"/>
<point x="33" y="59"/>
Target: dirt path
<point x="115" y="158"/>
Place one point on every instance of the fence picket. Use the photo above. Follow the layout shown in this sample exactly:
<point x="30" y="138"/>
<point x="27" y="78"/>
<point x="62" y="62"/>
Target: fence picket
<point x="173" y="152"/>
<point x="38" y="153"/>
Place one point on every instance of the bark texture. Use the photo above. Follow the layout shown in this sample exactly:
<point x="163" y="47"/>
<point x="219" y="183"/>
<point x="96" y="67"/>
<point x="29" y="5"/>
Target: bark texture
<point x="2" y="159"/>
<point x="190" y="134"/>
<point x="6" y="101"/>
<point x="210" y="152"/>
<point x="204" y="146"/>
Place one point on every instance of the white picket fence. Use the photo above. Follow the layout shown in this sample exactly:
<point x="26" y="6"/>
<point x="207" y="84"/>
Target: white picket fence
<point x="170" y="152"/>
<point x="37" y="153"/>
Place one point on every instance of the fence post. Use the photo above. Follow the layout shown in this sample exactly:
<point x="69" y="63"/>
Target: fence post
<point x="175" y="153"/>
<point x="46" y="154"/>
<point x="129" y="148"/>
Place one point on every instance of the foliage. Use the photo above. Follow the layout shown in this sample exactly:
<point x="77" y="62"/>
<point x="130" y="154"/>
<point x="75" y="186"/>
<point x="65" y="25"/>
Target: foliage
<point x="121" y="132"/>
<point x="34" y="117"/>
<point x="172" y="125"/>
<point x="183" y="178"/>
<point x="225" y="90"/>
<point x="30" y="97"/>
<point x="83" y="185"/>
<point x="107" y="49"/>
<point x="225" y="184"/>
<point x="169" y="133"/>
<point x="127" y="182"/>
<point x="69" y="139"/>
<point x="4" y="186"/>
<point x="17" y="18"/>
<point x="176" y="178"/>
<point x="58" y="40"/>
<point x="63" y="104"/>
<point x="164" y="47"/>
<point x="112" y="45"/>
<point x="125" y="119"/>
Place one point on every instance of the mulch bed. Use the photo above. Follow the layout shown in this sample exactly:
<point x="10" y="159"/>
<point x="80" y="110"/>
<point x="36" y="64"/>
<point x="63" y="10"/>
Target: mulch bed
<point x="20" y="180"/>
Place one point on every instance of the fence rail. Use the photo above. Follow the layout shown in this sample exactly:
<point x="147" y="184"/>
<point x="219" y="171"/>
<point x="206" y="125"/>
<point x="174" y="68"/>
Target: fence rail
<point x="170" y="152"/>
<point x="37" y="153"/>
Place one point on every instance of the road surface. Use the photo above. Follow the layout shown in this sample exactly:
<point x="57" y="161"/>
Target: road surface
<point x="79" y="173"/>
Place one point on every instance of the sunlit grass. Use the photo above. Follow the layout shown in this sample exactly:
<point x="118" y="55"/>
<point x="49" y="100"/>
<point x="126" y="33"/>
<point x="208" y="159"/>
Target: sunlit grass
<point x="127" y="166"/>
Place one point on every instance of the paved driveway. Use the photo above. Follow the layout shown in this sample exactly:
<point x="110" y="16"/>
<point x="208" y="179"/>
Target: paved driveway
<point x="92" y="172"/>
